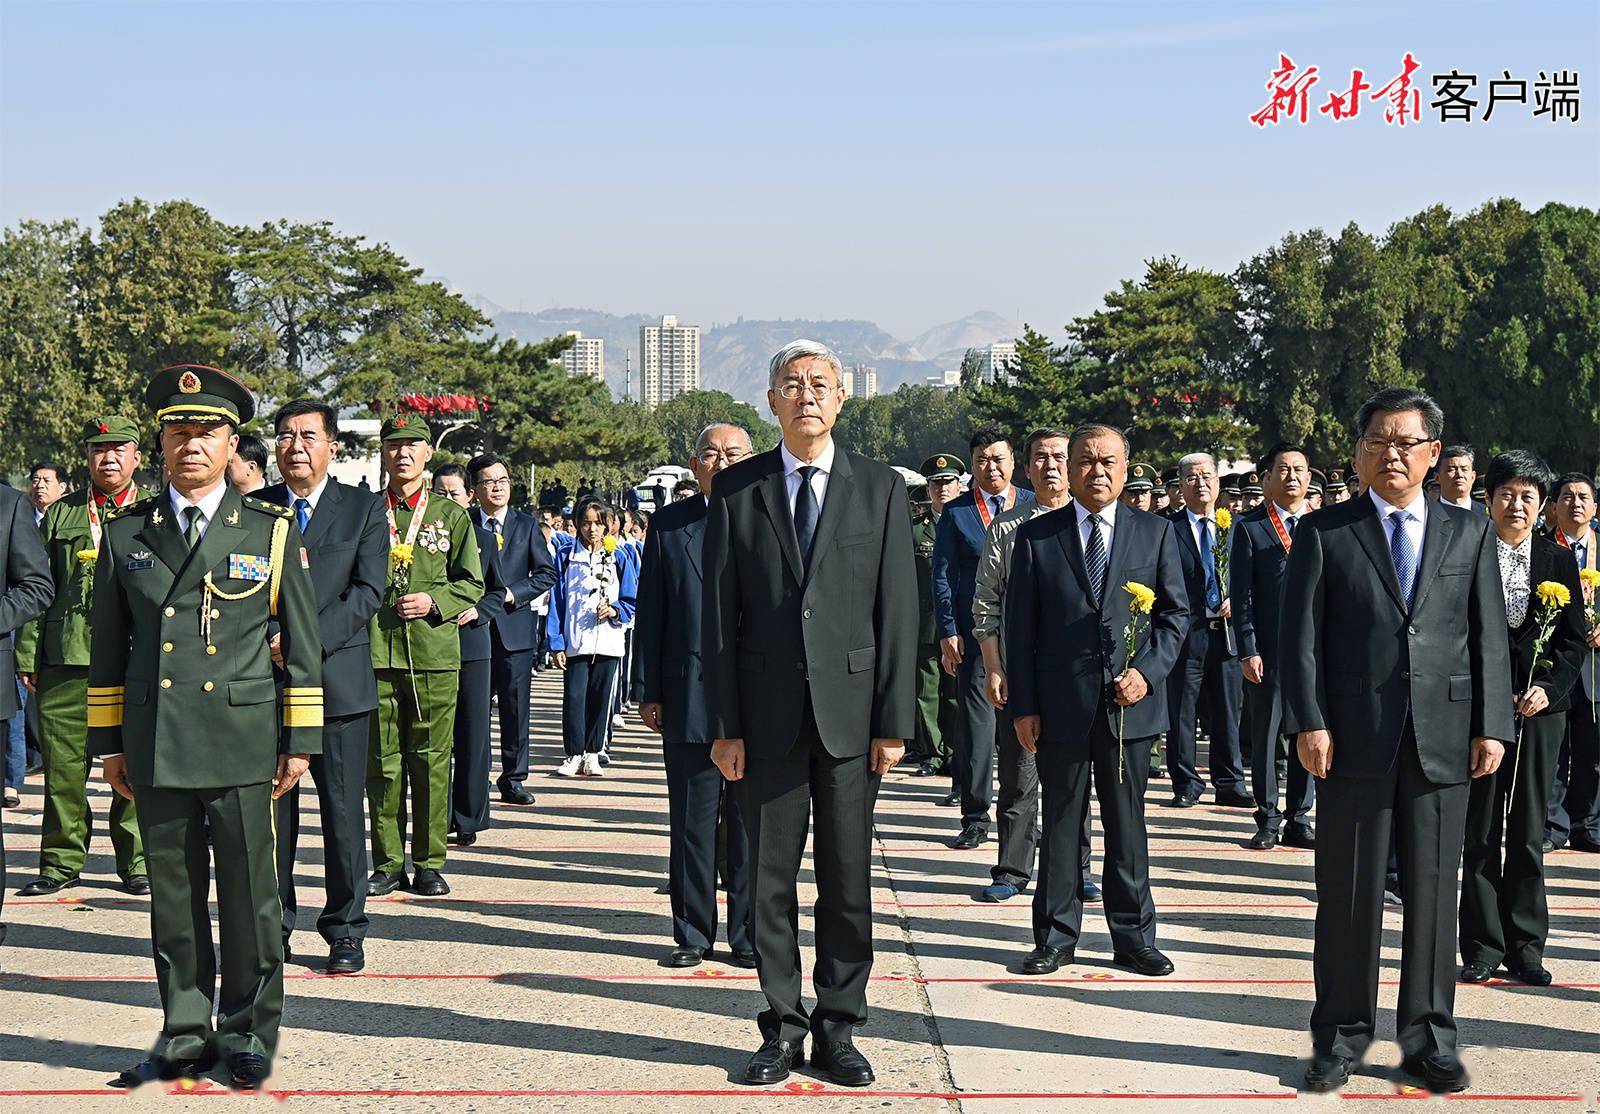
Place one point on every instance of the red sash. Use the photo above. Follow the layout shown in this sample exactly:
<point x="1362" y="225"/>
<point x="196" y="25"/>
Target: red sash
<point x="1277" y="526"/>
<point x="984" y="513"/>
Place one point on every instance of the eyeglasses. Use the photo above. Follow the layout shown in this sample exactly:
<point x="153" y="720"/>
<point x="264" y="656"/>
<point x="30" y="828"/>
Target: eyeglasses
<point x="502" y="482"/>
<point x="732" y="456"/>
<point x="1405" y="446"/>
<point x="308" y="438"/>
<point x="815" y="390"/>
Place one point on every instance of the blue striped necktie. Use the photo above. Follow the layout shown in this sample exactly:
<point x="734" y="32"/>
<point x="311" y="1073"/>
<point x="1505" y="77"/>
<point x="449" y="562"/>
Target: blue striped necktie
<point x="1404" y="553"/>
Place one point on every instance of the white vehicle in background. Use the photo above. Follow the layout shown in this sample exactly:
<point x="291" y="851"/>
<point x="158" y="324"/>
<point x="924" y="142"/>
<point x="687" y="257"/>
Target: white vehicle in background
<point x="655" y="490"/>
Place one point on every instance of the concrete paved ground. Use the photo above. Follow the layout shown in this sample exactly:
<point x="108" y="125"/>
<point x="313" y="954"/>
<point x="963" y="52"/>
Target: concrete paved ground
<point x="536" y="984"/>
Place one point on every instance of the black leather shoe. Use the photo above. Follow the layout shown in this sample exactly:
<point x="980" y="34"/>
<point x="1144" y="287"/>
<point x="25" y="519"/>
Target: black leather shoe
<point x="924" y="769"/>
<point x="842" y="1064"/>
<point x="742" y="957"/>
<point x="1475" y="972"/>
<point x="1548" y="846"/>
<point x="1088" y="892"/>
<point x="136" y="884"/>
<point x="1443" y="1075"/>
<point x="1535" y="975"/>
<point x="464" y="839"/>
<point x="515" y="795"/>
<point x="382" y="883"/>
<point x="772" y="1061"/>
<point x="1235" y="799"/>
<point x="429" y="883"/>
<point x="44" y="884"/>
<point x="158" y="1070"/>
<point x="971" y="837"/>
<point x="1327" y="1073"/>
<point x="1264" y="840"/>
<point x="950" y="800"/>
<point x="288" y="952"/>
<point x="247" y="1071"/>
<point x="1146" y="961"/>
<point x="1183" y="800"/>
<point x="1045" y="960"/>
<point x="1304" y="838"/>
<point x="685" y="956"/>
<point x="345" y="957"/>
<point x="1584" y="843"/>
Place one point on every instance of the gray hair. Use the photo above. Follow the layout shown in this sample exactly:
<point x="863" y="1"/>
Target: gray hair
<point x="1195" y="458"/>
<point x="1394" y="400"/>
<point x="799" y="350"/>
<point x="700" y="442"/>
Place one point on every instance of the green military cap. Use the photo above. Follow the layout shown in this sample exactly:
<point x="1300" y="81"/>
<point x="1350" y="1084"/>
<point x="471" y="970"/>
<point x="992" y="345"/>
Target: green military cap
<point x="1251" y="483"/>
<point x="943" y="466"/>
<point x="1318" y="481"/>
<point x="1230" y="482"/>
<point x="196" y="393"/>
<point x="1335" y="481"/>
<point x="918" y="493"/>
<point x="1141" y="477"/>
<point x="1479" y="491"/>
<point x="1169" y="476"/>
<point x="110" y="430"/>
<point x="405" y="427"/>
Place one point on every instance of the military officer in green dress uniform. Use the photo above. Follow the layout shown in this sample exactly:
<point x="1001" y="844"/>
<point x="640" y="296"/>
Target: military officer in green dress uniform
<point x="936" y="691"/>
<point x="184" y="711"/>
<point x="434" y="576"/>
<point x="53" y="661"/>
<point x="1138" y="492"/>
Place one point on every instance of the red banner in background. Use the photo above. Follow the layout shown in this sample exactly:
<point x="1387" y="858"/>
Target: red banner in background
<point x="442" y="404"/>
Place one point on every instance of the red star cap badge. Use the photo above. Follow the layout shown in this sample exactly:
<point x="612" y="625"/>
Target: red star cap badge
<point x="104" y="428"/>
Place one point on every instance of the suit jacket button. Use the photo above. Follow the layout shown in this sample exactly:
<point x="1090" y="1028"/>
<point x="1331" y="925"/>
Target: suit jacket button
<point x="208" y="686"/>
<point x="168" y="612"/>
<point x="166" y="682"/>
<point x="807" y="613"/>
<point x="166" y="647"/>
<point x="1411" y="630"/>
<point x="1405" y="674"/>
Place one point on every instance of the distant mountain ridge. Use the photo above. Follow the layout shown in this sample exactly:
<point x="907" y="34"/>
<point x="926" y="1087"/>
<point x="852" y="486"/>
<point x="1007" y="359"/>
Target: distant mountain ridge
<point x="733" y="357"/>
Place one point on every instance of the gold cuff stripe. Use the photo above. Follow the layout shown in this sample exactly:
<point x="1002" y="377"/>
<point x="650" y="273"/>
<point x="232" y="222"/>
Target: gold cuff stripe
<point x="302" y="691"/>
<point x="106" y="690"/>
<point x="108" y="716"/>
<point x="299" y="715"/>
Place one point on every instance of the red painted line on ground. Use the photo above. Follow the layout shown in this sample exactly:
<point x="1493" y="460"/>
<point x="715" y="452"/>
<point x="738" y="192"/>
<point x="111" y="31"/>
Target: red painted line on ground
<point x="805" y="1088"/>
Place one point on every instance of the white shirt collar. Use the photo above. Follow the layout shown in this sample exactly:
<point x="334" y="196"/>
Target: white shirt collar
<point x="792" y="463"/>
<point x="316" y="493"/>
<point x="499" y="516"/>
<point x="1584" y="539"/>
<point x="1107" y="513"/>
<point x="1194" y="519"/>
<point x="1418" y="505"/>
<point x="208" y="503"/>
<point x="1286" y="515"/>
<point x="1003" y="496"/>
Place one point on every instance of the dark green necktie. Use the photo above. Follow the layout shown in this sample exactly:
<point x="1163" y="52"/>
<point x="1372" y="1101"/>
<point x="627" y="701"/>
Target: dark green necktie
<point x="191" y="535"/>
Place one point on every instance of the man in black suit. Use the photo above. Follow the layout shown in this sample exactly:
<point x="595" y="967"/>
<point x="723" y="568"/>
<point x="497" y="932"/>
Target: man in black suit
<point x="810" y="655"/>
<point x="1207" y="673"/>
<point x="528" y="573"/>
<point x="1082" y="704"/>
<point x="26" y="589"/>
<point x="1574" y="810"/>
<point x="1262" y="541"/>
<point x="1395" y="679"/>
<point x="347" y="544"/>
<point x="470" y="755"/>
<point x="666" y="648"/>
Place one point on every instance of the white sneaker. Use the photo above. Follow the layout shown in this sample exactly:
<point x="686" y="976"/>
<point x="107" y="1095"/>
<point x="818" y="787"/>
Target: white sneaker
<point x="591" y="766"/>
<point x="618" y="721"/>
<point x="605" y="759"/>
<point x="569" y="768"/>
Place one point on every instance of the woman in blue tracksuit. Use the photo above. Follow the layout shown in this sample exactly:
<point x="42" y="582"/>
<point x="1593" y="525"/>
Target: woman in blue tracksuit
<point x="591" y="608"/>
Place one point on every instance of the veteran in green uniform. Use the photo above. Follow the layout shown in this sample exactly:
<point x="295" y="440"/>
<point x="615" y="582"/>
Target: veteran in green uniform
<point x="936" y="690"/>
<point x="184" y="711"/>
<point x="53" y="662"/>
<point x="434" y="575"/>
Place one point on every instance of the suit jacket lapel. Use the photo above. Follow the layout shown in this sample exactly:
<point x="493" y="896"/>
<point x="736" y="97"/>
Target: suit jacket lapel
<point x="165" y="538"/>
<point x="1072" y="545"/>
<point x="834" y="503"/>
<point x="217" y="541"/>
<point x="323" y="515"/>
<point x="1436" y="534"/>
<point x="775" y="499"/>
<point x="1369" y="531"/>
<point x="693" y="538"/>
<point x="1122" y="543"/>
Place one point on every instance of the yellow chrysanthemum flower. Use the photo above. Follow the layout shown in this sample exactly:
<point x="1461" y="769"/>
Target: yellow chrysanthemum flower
<point x="1224" y="518"/>
<point x="1590" y="578"/>
<point x="610" y="543"/>
<point x="1553" y="593"/>
<point x="400" y="555"/>
<point x="1143" y="598"/>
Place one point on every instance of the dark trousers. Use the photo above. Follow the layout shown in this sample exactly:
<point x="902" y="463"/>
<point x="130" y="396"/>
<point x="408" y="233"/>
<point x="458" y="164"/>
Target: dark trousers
<point x="1429" y="824"/>
<point x="973" y="750"/>
<point x="1205" y="674"/>
<point x="249" y="1009"/>
<point x="513" y="681"/>
<point x="696" y="796"/>
<point x="1065" y="769"/>
<point x="781" y="792"/>
<point x="1017" y="811"/>
<point x="469" y="775"/>
<point x="1504" y="915"/>
<point x="1274" y="763"/>
<point x="340" y="774"/>
<point x="1574" y="808"/>
<point x="586" y="702"/>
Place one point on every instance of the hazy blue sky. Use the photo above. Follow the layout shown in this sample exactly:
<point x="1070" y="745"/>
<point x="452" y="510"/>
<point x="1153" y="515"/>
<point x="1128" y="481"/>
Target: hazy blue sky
<point x="906" y="163"/>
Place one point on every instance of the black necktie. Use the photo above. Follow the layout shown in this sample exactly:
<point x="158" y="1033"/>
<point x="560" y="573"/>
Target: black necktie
<point x="805" y="513"/>
<point x="1094" y="558"/>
